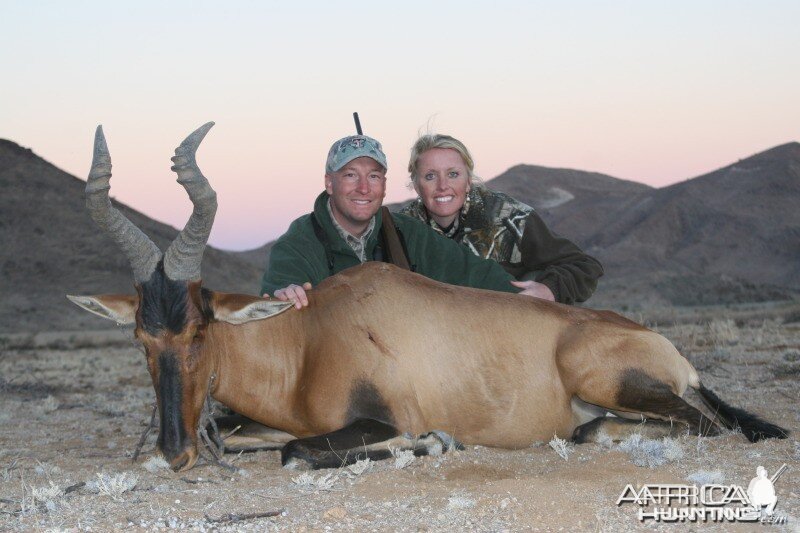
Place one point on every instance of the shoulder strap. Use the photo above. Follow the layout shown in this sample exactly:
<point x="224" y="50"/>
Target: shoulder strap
<point x="323" y="239"/>
<point x="395" y="249"/>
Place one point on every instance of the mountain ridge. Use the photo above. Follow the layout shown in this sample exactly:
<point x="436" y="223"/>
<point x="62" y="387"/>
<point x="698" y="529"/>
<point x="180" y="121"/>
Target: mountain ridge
<point x="726" y="236"/>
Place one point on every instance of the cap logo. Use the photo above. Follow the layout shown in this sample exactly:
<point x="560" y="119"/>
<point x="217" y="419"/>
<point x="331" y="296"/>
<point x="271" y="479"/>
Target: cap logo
<point x="352" y="147"/>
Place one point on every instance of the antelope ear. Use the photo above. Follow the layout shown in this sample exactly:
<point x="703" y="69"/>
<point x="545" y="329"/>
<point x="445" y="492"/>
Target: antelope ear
<point x="241" y="308"/>
<point x="121" y="308"/>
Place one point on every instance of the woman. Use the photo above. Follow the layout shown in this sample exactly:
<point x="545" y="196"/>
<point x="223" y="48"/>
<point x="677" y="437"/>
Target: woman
<point x="494" y="225"/>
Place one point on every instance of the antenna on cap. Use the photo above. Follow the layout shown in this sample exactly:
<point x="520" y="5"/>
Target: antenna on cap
<point x="358" y="123"/>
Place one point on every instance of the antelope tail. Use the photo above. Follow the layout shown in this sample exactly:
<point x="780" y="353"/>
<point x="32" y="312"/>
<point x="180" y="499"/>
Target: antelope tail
<point x="753" y="427"/>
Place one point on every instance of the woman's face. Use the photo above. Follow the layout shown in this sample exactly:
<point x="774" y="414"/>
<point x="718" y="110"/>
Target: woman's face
<point x="442" y="183"/>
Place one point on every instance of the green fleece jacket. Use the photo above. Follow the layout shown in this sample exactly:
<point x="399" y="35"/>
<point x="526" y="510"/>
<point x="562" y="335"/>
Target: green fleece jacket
<point x="298" y="256"/>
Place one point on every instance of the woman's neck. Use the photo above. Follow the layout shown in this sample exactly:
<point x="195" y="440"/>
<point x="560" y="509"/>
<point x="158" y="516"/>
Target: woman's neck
<point x="445" y="222"/>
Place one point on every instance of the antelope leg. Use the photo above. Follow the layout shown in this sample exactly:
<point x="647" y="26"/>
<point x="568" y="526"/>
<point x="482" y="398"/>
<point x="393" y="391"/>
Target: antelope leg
<point x="363" y="439"/>
<point x="242" y="434"/>
<point x="614" y="429"/>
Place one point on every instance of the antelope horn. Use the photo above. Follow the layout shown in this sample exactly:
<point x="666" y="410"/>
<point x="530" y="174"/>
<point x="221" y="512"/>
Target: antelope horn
<point x="183" y="257"/>
<point x="142" y="253"/>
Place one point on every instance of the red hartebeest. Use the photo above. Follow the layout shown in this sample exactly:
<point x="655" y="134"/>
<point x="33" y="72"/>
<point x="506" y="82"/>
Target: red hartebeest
<point x="382" y="354"/>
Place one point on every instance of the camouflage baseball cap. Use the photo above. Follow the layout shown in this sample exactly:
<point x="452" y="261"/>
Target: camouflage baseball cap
<point x="345" y="150"/>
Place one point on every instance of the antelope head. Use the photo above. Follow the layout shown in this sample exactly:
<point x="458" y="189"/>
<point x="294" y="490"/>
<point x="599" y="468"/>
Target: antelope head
<point x="171" y="309"/>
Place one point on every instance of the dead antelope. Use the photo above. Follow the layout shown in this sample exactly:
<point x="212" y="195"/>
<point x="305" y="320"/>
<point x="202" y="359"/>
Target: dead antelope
<point x="368" y="363"/>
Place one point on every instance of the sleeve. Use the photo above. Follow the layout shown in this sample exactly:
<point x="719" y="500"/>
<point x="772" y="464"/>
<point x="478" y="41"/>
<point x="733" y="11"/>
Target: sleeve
<point x="557" y="262"/>
<point x="287" y="265"/>
<point x="445" y="260"/>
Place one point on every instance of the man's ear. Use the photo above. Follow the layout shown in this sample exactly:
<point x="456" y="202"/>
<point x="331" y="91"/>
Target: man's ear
<point x="241" y="308"/>
<point x="329" y="184"/>
<point x="121" y="308"/>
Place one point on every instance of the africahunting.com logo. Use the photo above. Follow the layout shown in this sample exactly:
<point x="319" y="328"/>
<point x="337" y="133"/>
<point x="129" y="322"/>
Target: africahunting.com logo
<point x="709" y="502"/>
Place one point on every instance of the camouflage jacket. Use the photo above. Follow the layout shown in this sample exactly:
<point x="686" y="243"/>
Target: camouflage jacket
<point x="493" y="225"/>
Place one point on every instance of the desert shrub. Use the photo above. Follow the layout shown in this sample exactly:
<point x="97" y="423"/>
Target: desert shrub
<point x="561" y="447"/>
<point x="786" y="370"/>
<point x="49" y="496"/>
<point x="112" y="485"/>
<point x="402" y="458"/>
<point x="310" y="482"/>
<point x="791" y="357"/>
<point x="792" y="317"/>
<point x="651" y="453"/>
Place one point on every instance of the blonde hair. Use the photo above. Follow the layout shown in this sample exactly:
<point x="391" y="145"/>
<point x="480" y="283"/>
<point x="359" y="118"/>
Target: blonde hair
<point x="430" y="141"/>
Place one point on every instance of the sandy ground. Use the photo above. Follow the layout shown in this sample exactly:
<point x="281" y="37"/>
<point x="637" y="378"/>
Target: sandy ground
<point x="72" y="410"/>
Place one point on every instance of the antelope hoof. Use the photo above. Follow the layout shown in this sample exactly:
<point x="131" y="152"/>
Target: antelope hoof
<point x="588" y="432"/>
<point x="298" y="463"/>
<point x="438" y="442"/>
<point x="184" y="461"/>
<point x="296" y="456"/>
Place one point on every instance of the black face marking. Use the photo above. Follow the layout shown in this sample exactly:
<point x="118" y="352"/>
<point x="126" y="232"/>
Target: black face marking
<point x="172" y="435"/>
<point x="640" y="393"/>
<point x="366" y="402"/>
<point x="206" y="308"/>
<point x="163" y="303"/>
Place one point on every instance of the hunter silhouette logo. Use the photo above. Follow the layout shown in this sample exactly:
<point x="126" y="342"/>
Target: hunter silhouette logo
<point x="710" y="502"/>
<point x="761" y="491"/>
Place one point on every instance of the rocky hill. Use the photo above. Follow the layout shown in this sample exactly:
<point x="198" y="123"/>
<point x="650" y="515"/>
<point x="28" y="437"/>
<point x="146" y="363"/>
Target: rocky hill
<point x="728" y="236"/>
<point x="51" y="247"/>
<point x="732" y="235"/>
<point x="572" y="201"/>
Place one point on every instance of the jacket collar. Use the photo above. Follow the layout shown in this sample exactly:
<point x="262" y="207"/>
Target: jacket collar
<point x="337" y="244"/>
<point x="471" y="214"/>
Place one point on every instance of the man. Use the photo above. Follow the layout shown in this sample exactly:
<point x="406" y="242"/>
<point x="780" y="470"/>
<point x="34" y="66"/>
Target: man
<point x="344" y="230"/>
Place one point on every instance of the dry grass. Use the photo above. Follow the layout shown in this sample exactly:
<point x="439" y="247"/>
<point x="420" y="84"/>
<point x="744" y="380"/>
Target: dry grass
<point x="651" y="453"/>
<point x="561" y="447"/>
<point x="331" y="479"/>
<point x="723" y="332"/>
<point x="315" y="483"/>
<point x="402" y="458"/>
<point x="112" y="485"/>
<point x="49" y="495"/>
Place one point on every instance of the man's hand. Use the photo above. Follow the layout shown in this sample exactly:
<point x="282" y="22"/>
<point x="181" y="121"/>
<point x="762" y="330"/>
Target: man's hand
<point x="294" y="293"/>
<point x="535" y="289"/>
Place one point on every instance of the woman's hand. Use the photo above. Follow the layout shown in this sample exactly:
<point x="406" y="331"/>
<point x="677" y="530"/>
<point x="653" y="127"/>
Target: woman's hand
<point x="533" y="288"/>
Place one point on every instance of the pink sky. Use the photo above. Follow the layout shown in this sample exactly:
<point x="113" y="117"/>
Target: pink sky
<point x="652" y="93"/>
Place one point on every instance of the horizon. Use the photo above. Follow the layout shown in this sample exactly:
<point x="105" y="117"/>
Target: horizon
<point x="656" y="94"/>
<point x="386" y="201"/>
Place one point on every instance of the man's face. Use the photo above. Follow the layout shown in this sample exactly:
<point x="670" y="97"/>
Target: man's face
<point x="356" y="192"/>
